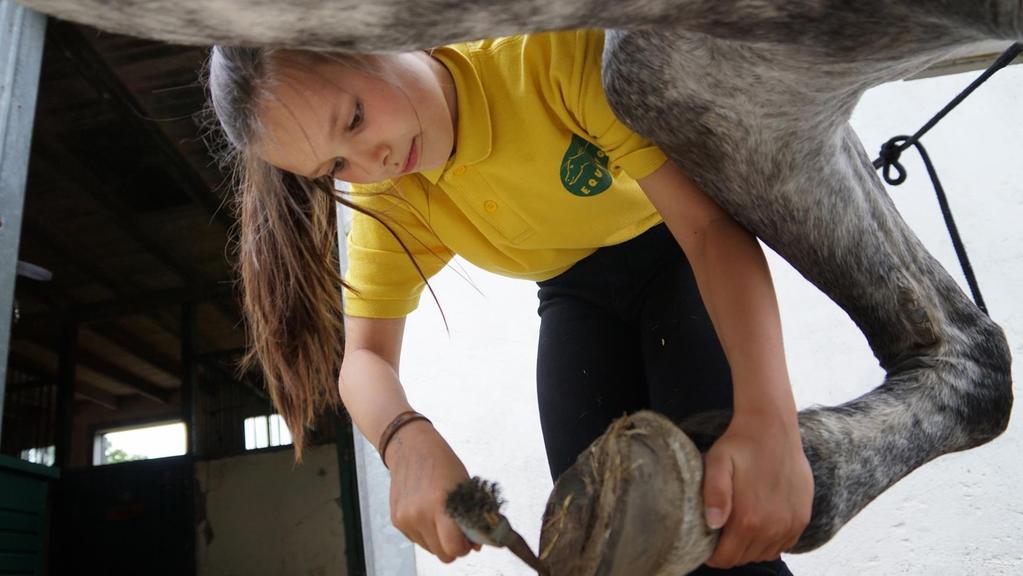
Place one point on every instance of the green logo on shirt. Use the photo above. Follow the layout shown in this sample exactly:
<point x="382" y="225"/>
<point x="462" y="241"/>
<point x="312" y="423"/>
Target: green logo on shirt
<point x="584" y="169"/>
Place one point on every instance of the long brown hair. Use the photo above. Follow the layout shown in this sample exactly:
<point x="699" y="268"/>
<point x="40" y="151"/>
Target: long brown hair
<point x="285" y="244"/>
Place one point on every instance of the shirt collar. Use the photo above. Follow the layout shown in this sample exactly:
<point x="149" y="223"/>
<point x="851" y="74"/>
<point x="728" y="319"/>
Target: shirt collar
<point x="473" y="140"/>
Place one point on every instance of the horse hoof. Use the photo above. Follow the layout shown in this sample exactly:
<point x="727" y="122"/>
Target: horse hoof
<point x="631" y="504"/>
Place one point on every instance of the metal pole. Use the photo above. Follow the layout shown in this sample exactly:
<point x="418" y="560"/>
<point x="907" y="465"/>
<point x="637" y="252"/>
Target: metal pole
<point x="387" y="551"/>
<point x="67" y="364"/>
<point x="351" y="518"/>
<point x="21" y="54"/>
<point x="188" y="389"/>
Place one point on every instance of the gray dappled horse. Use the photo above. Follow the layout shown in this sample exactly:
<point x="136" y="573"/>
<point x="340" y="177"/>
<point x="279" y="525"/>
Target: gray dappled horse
<point x="752" y="98"/>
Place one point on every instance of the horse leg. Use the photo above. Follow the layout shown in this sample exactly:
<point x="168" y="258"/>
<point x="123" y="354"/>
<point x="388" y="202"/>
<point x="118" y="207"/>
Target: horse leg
<point x="763" y="129"/>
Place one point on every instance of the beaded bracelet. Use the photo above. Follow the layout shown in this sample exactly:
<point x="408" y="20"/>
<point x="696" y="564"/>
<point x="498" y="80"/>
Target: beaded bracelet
<point x="392" y="428"/>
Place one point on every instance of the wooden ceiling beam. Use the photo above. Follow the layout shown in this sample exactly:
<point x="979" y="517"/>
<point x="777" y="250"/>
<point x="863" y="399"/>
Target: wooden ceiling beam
<point x="121" y="288"/>
<point x="92" y="394"/>
<point x="137" y="347"/>
<point x="101" y="366"/>
<point x="83" y="390"/>
<point x="191" y="277"/>
<point x="141" y="386"/>
<point x="125" y="298"/>
<point x="143" y="303"/>
<point x="38" y="323"/>
<point x="110" y="370"/>
<point x="62" y="303"/>
<point x="110" y="310"/>
<point x="39" y="331"/>
<point x="94" y="68"/>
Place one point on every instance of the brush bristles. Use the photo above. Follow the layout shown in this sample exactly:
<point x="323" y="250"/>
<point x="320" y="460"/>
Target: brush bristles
<point x="475" y="503"/>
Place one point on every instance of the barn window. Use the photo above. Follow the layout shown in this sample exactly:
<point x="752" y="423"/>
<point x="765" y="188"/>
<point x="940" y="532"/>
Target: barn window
<point x="140" y="443"/>
<point x="43" y="455"/>
<point x="266" y="431"/>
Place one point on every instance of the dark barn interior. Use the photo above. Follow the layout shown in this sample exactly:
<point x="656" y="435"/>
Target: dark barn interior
<point x="126" y="315"/>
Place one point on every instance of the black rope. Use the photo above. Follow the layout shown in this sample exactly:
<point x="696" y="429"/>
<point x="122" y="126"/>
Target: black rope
<point x="892" y="150"/>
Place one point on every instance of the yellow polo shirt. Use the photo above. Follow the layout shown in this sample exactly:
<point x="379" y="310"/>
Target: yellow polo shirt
<point x="543" y="175"/>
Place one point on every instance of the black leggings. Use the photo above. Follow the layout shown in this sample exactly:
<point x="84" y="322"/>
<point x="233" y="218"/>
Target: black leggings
<point x="624" y="330"/>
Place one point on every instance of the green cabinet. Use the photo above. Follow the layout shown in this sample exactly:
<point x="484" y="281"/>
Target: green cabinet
<point x="23" y="515"/>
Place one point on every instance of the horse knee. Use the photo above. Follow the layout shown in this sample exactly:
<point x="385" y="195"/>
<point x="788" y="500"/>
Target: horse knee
<point x="987" y="401"/>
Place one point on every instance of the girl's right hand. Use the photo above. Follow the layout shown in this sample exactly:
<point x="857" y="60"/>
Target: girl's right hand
<point x="423" y="470"/>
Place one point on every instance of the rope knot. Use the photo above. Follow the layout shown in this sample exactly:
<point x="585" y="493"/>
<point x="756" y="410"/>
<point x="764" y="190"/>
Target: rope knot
<point x="888" y="159"/>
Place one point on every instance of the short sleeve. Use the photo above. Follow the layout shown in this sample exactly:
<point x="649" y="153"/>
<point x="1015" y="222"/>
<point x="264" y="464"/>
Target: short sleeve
<point x="584" y="94"/>
<point x="383" y="277"/>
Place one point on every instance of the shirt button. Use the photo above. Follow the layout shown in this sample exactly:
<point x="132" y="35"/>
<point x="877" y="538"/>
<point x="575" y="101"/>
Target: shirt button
<point x="490" y="206"/>
<point x="459" y="170"/>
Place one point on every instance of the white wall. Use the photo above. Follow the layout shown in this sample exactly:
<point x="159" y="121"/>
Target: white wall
<point x="267" y="517"/>
<point x="961" y="514"/>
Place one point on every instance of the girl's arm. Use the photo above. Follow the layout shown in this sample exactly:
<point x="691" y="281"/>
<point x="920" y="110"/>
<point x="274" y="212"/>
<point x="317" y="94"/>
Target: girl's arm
<point x="423" y="466"/>
<point x="757" y="481"/>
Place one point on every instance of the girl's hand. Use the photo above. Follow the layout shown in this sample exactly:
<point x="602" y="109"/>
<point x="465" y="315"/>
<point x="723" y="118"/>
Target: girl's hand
<point x="423" y="470"/>
<point x="757" y="484"/>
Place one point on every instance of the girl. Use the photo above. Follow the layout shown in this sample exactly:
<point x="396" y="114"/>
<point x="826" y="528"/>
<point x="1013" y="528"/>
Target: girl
<point x="505" y="152"/>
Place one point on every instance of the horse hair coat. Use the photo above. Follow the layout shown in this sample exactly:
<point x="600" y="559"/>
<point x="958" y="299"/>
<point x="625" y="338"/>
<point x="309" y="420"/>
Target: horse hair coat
<point x="752" y="99"/>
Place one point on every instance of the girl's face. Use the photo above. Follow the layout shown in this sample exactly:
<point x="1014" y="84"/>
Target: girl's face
<point x="323" y="118"/>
